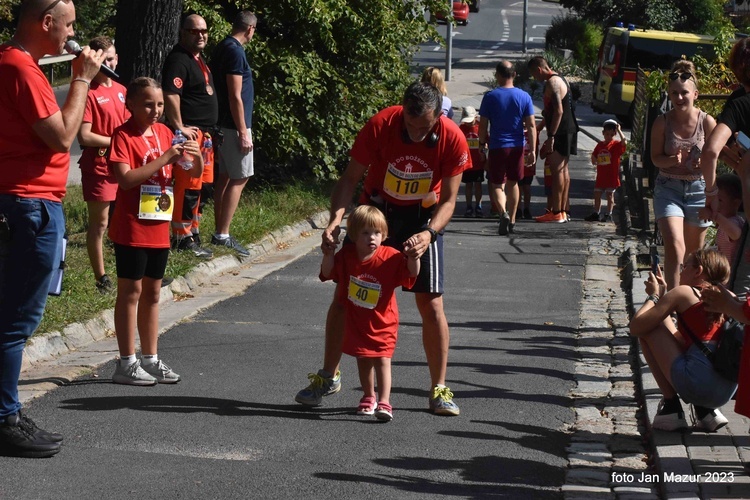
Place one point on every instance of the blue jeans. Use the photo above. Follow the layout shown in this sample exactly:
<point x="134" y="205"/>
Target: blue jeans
<point x="27" y="259"/>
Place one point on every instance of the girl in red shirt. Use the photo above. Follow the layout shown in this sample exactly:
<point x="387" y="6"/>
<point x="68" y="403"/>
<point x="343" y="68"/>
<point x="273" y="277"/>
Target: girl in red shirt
<point x="141" y="159"/>
<point x="367" y="274"/>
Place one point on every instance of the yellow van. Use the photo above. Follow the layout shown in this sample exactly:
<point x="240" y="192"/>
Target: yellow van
<point x="624" y="48"/>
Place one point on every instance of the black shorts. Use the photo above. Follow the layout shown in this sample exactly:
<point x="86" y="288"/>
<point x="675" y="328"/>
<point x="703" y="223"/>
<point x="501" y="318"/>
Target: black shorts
<point x="472" y="176"/>
<point x="566" y="144"/>
<point x="133" y="263"/>
<point x="526" y="181"/>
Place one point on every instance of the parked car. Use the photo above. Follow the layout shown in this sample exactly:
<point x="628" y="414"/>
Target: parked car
<point x="460" y="13"/>
<point x="623" y="49"/>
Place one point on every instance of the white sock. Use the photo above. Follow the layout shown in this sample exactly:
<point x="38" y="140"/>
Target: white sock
<point x="440" y="386"/>
<point x="221" y="236"/>
<point x="128" y="360"/>
<point x="149" y="359"/>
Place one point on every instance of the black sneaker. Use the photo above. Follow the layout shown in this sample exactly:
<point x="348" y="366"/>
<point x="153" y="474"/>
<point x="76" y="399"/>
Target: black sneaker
<point x="594" y="217"/>
<point x="606" y="218"/>
<point x="511" y="228"/>
<point x="104" y="285"/>
<point x="502" y="228"/>
<point x="18" y="438"/>
<point x="231" y="243"/>
<point x="526" y="213"/>
<point x="188" y="243"/>
<point x="55" y="437"/>
<point x="197" y="238"/>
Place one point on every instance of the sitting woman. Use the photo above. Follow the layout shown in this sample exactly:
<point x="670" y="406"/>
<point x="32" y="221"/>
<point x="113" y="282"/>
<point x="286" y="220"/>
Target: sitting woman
<point x="679" y="366"/>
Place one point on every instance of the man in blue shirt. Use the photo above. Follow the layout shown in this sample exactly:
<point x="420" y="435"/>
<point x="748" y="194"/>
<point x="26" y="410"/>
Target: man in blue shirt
<point x="234" y="88"/>
<point x="507" y="109"/>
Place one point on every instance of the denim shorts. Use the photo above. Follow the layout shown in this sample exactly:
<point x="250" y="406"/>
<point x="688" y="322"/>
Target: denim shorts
<point x="676" y="198"/>
<point x="696" y="381"/>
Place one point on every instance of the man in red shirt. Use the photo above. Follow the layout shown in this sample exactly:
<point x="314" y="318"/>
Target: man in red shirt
<point x="411" y="158"/>
<point x="35" y="140"/>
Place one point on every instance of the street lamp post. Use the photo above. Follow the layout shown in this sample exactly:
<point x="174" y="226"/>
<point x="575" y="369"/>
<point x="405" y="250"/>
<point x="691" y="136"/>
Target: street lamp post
<point x="448" y="44"/>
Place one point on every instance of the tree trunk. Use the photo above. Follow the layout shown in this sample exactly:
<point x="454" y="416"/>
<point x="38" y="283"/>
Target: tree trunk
<point x="146" y="30"/>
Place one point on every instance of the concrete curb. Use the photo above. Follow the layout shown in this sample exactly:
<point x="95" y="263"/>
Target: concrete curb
<point x="78" y="336"/>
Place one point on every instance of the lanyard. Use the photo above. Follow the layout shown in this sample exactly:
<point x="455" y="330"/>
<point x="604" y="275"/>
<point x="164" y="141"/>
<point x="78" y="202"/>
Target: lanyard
<point x="149" y="152"/>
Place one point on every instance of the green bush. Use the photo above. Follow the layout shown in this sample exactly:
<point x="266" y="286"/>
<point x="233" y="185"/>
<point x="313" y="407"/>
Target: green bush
<point x="582" y="37"/>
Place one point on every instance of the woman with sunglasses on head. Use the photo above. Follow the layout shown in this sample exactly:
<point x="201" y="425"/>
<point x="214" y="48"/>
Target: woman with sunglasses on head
<point x="677" y="138"/>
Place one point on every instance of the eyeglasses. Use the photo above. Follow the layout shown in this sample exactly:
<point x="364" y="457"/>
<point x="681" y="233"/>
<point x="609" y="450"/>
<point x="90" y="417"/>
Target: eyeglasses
<point x="682" y="76"/>
<point x="196" y="31"/>
<point x="50" y="7"/>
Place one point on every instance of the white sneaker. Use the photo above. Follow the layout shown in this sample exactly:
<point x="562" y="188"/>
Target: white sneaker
<point x="711" y="422"/>
<point x="132" y="374"/>
<point x="160" y="372"/>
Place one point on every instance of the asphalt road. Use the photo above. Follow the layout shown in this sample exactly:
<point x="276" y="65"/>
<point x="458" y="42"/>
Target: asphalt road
<point x="497" y="27"/>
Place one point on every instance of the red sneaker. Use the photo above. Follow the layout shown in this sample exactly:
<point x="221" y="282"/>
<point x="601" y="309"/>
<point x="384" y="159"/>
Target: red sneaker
<point x="366" y="406"/>
<point x="384" y="412"/>
<point x="551" y="217"/>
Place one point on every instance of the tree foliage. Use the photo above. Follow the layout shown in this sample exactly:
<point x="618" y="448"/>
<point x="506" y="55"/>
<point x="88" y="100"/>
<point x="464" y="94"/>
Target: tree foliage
<point x="321" y="69"/>
<point x="695" y="16"/>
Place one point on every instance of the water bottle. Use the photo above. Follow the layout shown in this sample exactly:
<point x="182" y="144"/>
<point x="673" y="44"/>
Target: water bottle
<point x="208" y="145"/>
<point x="185" y="161"/>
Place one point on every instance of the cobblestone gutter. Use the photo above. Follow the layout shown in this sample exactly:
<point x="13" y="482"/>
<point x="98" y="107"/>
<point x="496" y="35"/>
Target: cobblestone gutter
<point x="607" y="452"/>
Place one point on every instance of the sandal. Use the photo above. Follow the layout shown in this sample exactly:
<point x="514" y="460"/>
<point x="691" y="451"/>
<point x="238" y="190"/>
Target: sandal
<point x="367" y="406"/>
<point x="384" y="412"/>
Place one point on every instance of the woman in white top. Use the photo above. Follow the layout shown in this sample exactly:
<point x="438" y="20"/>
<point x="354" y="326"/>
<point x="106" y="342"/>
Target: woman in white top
<point x="434" y="76"/>
<point x="677" y="139"/>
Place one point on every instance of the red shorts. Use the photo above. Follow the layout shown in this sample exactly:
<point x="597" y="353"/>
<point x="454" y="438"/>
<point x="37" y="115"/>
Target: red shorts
<point x="97" y="187"/>
<point x="505" y="163"/>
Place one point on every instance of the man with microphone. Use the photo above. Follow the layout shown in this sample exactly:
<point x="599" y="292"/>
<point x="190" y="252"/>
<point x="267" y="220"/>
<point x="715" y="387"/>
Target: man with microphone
<point x="35" y="140"/>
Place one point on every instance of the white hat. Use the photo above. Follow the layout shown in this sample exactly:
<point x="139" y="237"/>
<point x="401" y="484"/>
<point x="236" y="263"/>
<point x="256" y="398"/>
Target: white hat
<point x="610" y="122"/>
<point x="468" y="115"/>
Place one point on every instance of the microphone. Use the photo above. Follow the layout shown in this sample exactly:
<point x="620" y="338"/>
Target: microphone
<point x="72" y="47"/>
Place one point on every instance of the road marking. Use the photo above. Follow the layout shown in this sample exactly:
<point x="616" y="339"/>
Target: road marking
<point x="436" y="48"/>
<point x="489" y="52"/>
<point x="535" y="26"/>
<point x="532" y="38"/>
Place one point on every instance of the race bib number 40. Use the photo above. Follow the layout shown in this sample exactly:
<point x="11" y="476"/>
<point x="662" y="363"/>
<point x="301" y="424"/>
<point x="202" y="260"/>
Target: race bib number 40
<point x="364" y="293"/>
<point x="404" y="185"/>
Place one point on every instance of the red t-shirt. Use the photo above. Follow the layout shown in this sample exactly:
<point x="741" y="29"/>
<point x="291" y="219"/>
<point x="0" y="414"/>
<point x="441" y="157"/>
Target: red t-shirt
<point x="471" y="132"/>
<point x="28" y="167"/>
<point x="404" y="173"/>
<point x="607" y="155"/>
<point x="105" y="110"/>
<point x="129" y="146"/>
<point x="367" y="289"/>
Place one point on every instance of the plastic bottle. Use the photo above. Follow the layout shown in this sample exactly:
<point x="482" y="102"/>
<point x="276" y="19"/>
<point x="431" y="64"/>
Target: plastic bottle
<point x="208" y="145"/>
<point x="185" y="161"/>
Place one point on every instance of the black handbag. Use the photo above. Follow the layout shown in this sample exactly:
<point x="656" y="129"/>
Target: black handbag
<point x="726" y="358"/>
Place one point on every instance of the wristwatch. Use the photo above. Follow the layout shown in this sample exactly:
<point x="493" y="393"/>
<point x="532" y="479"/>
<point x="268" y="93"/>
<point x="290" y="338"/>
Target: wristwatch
<point x="433" y="233"/>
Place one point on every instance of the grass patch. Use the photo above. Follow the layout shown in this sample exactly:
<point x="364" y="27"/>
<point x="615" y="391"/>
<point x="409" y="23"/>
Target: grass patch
<point x="261" y="211"/>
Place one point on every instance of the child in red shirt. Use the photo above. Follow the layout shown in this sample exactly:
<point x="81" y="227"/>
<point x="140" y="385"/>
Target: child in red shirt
<point x="474" y="177"/>
<point x="141" y="159"/>
<point x="367" y="274"/>
<point x="606" y="157"/>
<point x="105" y="110"/>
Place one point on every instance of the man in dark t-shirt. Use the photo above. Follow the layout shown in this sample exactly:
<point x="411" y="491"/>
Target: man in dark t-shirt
<point x="191" y="106"/>
<point x="234" y="80"/>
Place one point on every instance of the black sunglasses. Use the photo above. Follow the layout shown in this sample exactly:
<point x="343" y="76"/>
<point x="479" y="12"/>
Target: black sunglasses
<point x="682" y="76"/>
<point x="196" y="31"/>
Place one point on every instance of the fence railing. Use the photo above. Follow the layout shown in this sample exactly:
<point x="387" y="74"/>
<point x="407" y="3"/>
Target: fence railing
<point x="50" y="60"/>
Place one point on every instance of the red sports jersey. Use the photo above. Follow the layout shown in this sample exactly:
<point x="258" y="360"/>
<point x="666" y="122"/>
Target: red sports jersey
<point x="131" y="148"/>
<point x="402" y="172"/>
<point x="367" y="289"/>
<point x="105" y="110"/>
<point x="29" y="167"/>
<point x="607" y="155"/>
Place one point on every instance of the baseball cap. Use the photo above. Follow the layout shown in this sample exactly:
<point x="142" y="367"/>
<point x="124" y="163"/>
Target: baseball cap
<point x="468" y="114"/>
